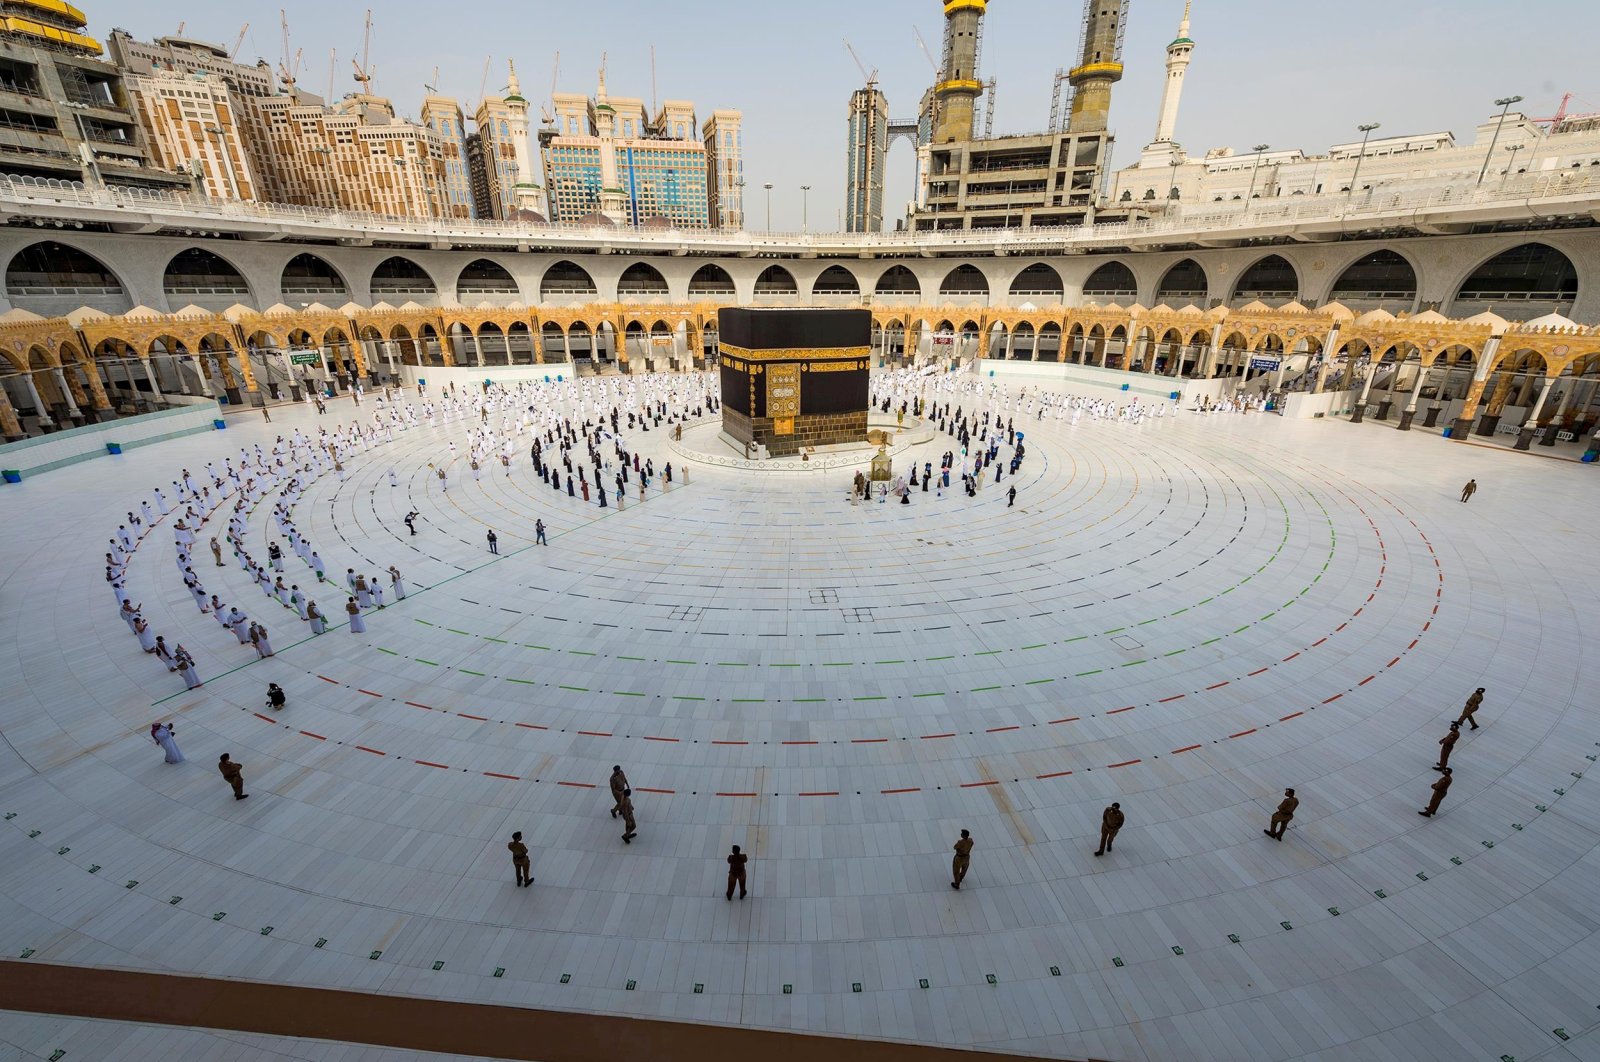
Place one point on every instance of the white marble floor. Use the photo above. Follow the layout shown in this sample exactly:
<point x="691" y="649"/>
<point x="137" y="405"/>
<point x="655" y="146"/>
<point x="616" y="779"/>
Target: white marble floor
<point x="1185" y="616"/>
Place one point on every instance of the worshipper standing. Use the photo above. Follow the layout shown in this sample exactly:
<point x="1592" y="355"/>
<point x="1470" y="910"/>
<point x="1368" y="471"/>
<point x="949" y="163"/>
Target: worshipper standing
<point x="314" y="616"/>
<point x="164" y="654"/>
<point x="161" y="734"/>
<point x="258" y="638"/>
<point x="357" y="624"/>
<point x="398" y="583"/>
<point x="376" y="589"/>
<point x="216" y="550"/>
<point x="185" y="662"/>
<point x="234" y="773"/>
<point x="147" y="638"/>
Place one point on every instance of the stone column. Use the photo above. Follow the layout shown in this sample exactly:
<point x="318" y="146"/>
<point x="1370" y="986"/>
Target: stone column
<point x="10" y="426"/>
<point x="1360" y="411"/>
<point x="149" y="374"/>
<point x="1525" y="436"/>
<point x="1394" y="383"/>
<point x="98" y="400"/>
<point x="1563" y="417"/>
<point x="1010" y="339"/>
<point x="1497" y="405"/>
<point x="38" y="403"/>
<point x="1480" y="376"/>
<point x="1411" y="406"/>
<point x="66" y="393"/>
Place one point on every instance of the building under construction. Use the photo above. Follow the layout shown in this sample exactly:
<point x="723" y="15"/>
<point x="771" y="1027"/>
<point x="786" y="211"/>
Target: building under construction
<point x="968" y="181"/>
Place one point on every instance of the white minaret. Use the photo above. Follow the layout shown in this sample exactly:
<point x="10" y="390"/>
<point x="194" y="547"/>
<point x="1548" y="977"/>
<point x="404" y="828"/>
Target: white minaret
<point x="613" y="201"/>
<point x="1178" y="54"/>
<point x="529" y="196"/>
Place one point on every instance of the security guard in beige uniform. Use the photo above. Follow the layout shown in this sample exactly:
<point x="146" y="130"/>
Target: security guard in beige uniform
<point x="962" y="860"/>
<point x="1281" y="817"/>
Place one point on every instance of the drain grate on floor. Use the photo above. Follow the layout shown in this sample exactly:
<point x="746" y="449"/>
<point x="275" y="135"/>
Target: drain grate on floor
<point x="1122" y="641"/>
<point x="857" y="615"/>
<point x="688" y="613"/>
<point x="825" y="595"/>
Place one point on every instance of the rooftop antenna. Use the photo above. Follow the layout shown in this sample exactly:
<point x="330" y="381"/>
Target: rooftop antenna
<point x="363" y="70"/>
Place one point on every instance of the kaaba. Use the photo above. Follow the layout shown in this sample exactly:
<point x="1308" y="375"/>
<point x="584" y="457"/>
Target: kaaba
<point x="794" y="378"/>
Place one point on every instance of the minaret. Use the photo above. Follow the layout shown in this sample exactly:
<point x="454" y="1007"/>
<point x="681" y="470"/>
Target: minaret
<point x="958" y="86"/>
<point x="1099" y="66"/>
<point x="1178" y="55"/>
<point x="528" y="195"/>
<point x="613" y="201"/>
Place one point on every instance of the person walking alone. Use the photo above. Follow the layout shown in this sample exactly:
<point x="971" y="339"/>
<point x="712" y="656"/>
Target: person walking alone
<point x="1440" y="788"/>
<point x="1469" y="490"/>
<point x="1011" y="497"/>
<point x="962" y="860"/>
<point x="234" y="773"/>
<point x="1283" y="816"/>
<point x="520" y="861"/>
<point x="538" y="529"/>
<point x="736" y="871"/>
<point x="494" y="544"/>
<point x="1111" y="821"/>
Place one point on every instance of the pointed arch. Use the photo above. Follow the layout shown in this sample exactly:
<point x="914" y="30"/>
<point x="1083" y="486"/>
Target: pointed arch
<point x="964" y="281"/>
<point x="1113" y="280"/>
<point x="836" y="280"/>
<point x="1183" y="284"/>
<point x="1382" y="278"/>
<point x="196" y="271"/>
<point x="566" y="278"/>
<point x="1271" y="280"/>
<point x="483" y="277"/>
<point x="400" y="277"/>
<point x="898" y="282"/>
<point x="710" y="281"/>
<point x="776" y="280"/>
<point x="641" y="279"/>
<point x="1039" y="281"/>
<point x="1520" y="283"/>
<point x="310" y="275"/>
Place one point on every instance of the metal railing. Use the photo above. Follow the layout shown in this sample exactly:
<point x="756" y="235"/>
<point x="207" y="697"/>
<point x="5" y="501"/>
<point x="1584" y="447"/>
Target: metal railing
<point x="1398" y="204"/>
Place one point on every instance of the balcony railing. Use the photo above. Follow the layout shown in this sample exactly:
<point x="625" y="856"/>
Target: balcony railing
<point x="1394" y="205"/>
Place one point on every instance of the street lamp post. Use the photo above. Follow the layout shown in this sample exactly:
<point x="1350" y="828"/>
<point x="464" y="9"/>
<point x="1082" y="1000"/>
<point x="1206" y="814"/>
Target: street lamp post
<point x="1505" y="106"/>
<point x="768" y="187"/>
<point x="740" y="185"/>
<point x="1513" y="149"/>
<point x="805" y="208"/>
<point x="1254" y="170"/>
<point x="1366" y="132"/>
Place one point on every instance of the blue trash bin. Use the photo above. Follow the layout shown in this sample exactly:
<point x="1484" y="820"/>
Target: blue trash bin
<point x="219" y="424"/>
<point x="1447" y="432"/>
<point x="12" y="475"/>
<point x="113" y="448"/>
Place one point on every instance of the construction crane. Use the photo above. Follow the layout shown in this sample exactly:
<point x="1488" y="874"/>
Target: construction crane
<point x="555" y="79"/>
<point x="289" y="69"/>
<point x="433" y="87"/>
<point x="333" y="62"/>
<point x="238" y="41"/>
<point x="1561" y="115"/>
<point x="870" y="79"/>
<point x="363" y="69"/>
<point x="483" y="82"/>
<point x="924" y="46"/>
<point x="988" y="110"/>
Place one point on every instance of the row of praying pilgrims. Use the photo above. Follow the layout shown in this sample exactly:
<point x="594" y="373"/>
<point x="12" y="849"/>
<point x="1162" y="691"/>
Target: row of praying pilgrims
<point x="493" y="417"/>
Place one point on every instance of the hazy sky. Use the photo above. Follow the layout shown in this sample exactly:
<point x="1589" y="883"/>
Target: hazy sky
<point x="1283" y="72"/>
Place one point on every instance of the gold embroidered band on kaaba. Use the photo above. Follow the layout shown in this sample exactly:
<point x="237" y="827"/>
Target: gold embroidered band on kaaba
<point x="794" y="353"/>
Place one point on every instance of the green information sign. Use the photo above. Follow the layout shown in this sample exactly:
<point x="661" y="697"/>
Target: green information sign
<point x="308" y="358"/>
